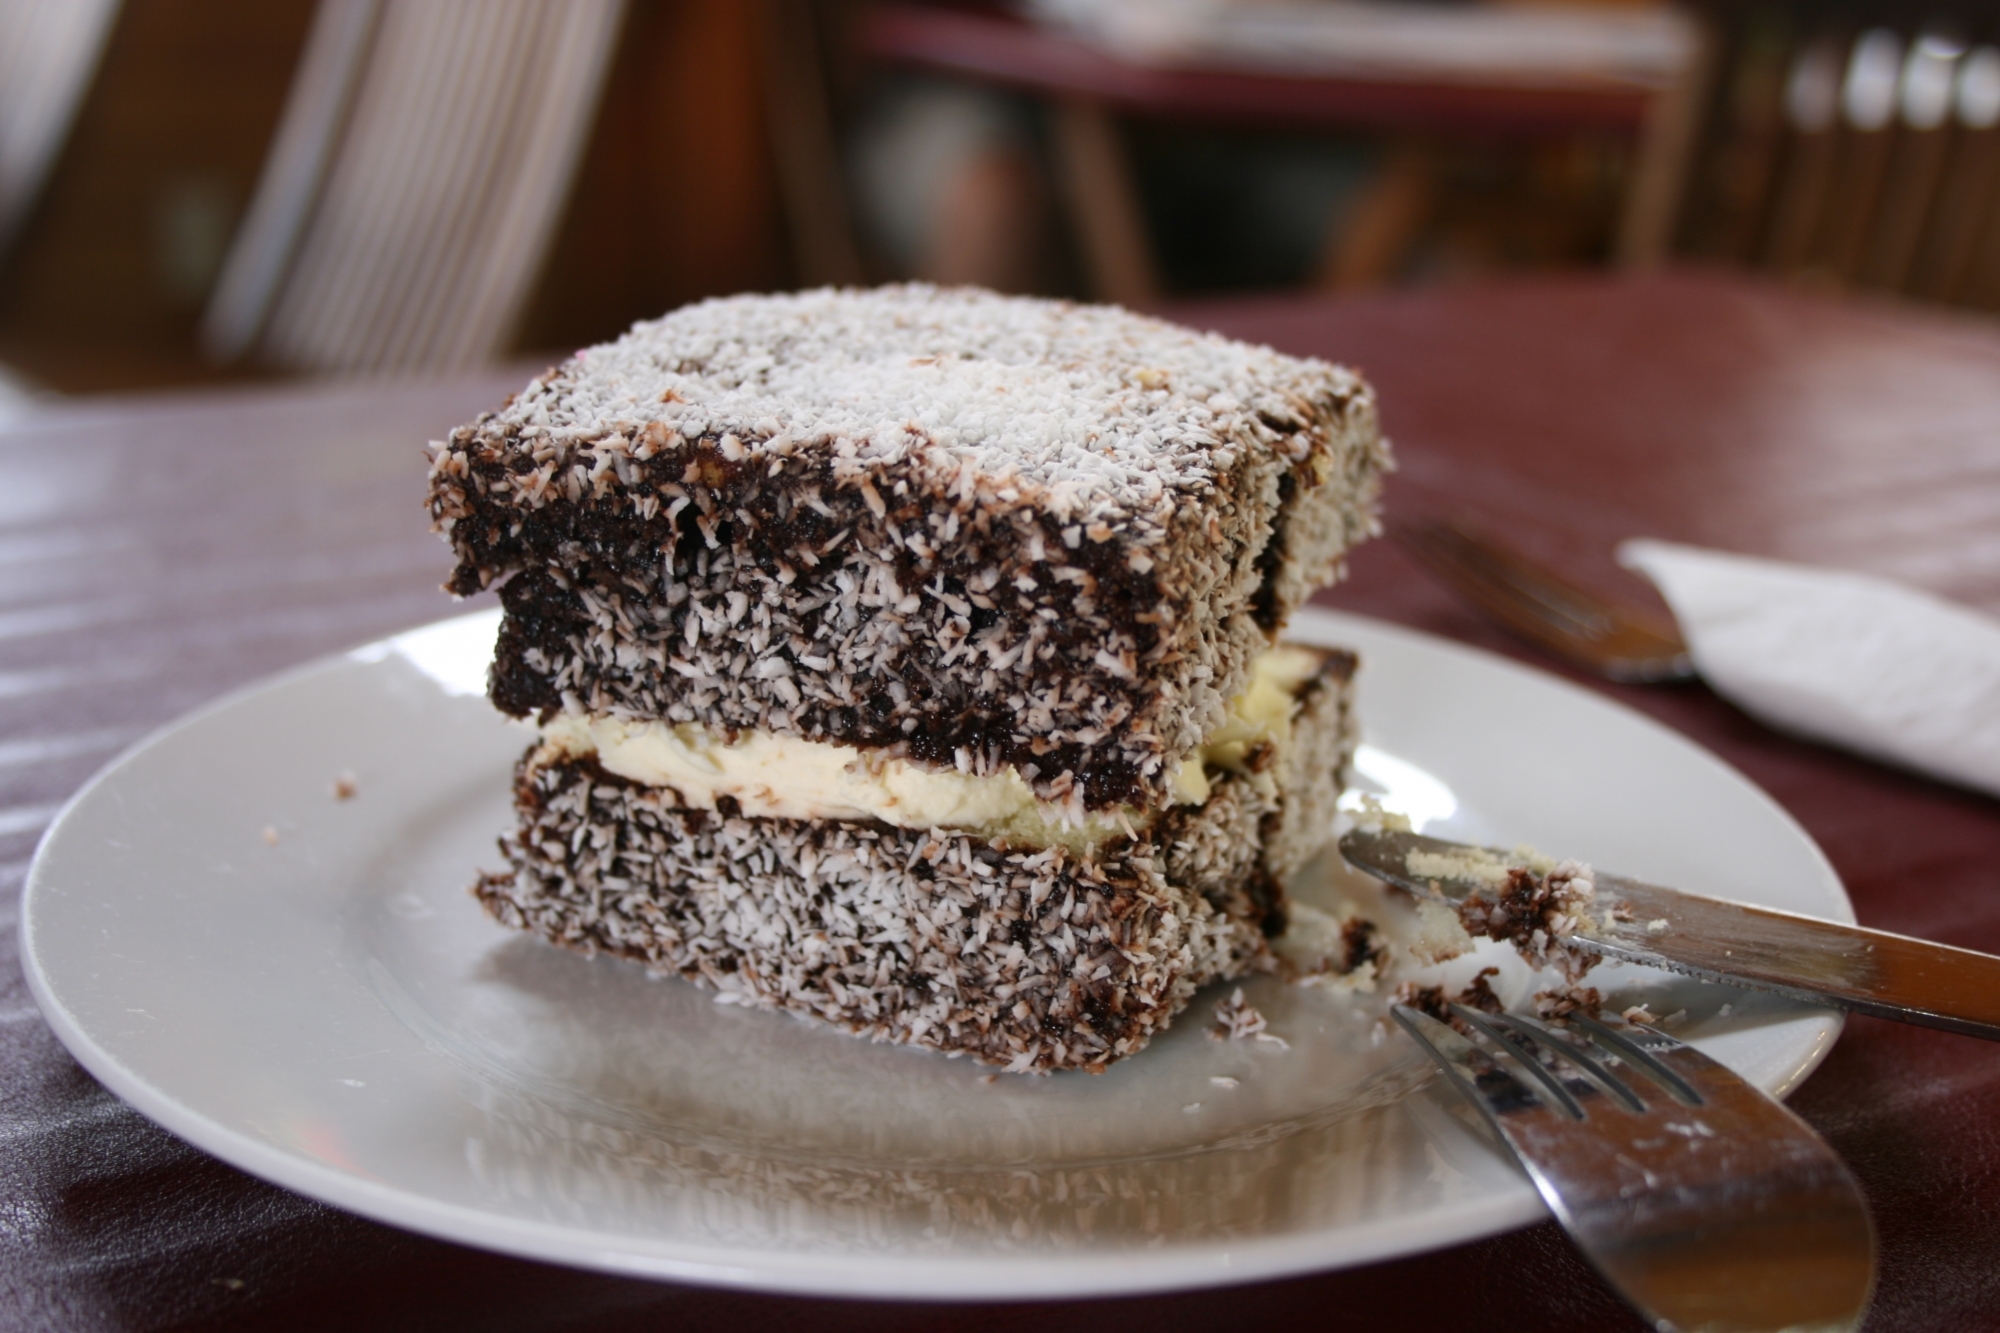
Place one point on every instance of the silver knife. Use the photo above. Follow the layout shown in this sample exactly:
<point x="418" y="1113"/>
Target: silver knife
<point x="1820" y="962"/>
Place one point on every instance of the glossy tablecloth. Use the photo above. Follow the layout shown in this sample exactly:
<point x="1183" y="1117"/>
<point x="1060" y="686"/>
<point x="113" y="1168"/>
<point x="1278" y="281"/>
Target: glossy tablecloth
<point x="155" y="553"/>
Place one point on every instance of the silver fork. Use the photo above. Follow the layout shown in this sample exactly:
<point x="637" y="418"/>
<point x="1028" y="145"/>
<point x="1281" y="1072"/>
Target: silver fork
<point x="1706" y="1203"/>
<point x="1546" y="609"/>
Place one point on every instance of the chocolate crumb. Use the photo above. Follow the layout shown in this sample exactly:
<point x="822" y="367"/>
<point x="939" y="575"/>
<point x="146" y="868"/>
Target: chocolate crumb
<point x="1360" y="942"/>
<point x="1479" y="995"/>
<point x="1554" y="1004"/>
<point x="1437" y="1002"/>
<point x="1428" y="999"/>
<point x="1533" y="913"/>
<point x="344" y="787"/>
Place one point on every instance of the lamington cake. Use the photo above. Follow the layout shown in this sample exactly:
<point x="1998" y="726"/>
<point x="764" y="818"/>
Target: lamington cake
<point x="905" y="658"/>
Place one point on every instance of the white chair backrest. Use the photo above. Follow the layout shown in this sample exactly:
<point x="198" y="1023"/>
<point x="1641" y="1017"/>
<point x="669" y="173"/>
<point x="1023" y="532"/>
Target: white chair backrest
<point x="414" y="184"/>
<point x="48" y="52"/>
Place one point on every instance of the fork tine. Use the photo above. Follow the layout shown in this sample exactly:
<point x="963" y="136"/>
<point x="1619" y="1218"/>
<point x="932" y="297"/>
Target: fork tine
<point x="1500" y="572"/>
<point x="1578" y="1053"/>
<point x="1523" y="1055"/>
<point x="1481" y="1079"/>
<point x="1546" y="609"/>
<point x="1633" y="1052"/>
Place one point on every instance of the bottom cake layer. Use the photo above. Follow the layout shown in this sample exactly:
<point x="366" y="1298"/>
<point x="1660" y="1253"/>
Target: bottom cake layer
<point x="1034" y="958"/>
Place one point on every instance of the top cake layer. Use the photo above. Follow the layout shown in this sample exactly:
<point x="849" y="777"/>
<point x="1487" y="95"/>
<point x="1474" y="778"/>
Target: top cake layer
<point x="1087" y="412"/>
<point x="984" y="532"/>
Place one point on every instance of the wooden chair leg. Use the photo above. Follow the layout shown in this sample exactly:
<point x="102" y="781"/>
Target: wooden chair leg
<point x="1652" y="206"/>
<point x="1797" y="211"/>
<point x="1980" y="287"/>
<point x="1812" y="111"/>
<point x="810" y="180"/>
<point x="1369" y="244"/>
<point x="1102" y="199"/>
<point x="1909" y="200"/>
<point x="1855" y="200"/>
<point x="1966" y="214"/>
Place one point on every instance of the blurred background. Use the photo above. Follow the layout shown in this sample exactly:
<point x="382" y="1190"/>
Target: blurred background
<point x="200" y="191"/>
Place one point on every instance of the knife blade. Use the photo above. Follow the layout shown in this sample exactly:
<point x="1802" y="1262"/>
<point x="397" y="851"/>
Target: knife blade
<point x="1759" y="948"/>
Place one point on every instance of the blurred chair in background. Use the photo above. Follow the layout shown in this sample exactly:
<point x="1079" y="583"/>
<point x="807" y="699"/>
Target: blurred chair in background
<point x="1852" y="147"/>
<point x="414" y="184"/>
<point x="951" y="188"/>
<point x="258" y="187"/>
<point x="270" y="186"/>
<point x="1417" y="78"/>
<point x="48" y="53"/>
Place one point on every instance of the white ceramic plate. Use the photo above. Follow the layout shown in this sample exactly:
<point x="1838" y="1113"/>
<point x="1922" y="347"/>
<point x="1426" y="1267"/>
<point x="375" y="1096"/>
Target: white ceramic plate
<point x="300" y="985"/>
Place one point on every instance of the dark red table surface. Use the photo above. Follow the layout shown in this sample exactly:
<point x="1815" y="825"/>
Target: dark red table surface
<point x="157" y="552"/>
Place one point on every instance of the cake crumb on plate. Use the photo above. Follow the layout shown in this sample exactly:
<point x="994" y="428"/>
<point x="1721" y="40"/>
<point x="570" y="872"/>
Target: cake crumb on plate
<point x="1236" y="1018"/>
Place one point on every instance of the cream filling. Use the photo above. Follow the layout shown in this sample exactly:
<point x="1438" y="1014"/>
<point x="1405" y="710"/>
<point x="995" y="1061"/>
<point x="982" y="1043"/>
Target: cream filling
<point x="789" y="778"/>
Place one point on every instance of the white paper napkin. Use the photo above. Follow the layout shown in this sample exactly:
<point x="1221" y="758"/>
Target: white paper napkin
<point x="1877" y="667"/>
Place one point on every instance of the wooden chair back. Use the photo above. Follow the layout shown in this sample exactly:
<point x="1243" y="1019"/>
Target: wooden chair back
<point x="1853" y="147"/>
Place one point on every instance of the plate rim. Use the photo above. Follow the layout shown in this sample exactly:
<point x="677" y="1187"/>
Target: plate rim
<point x="919" y="1277"/>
